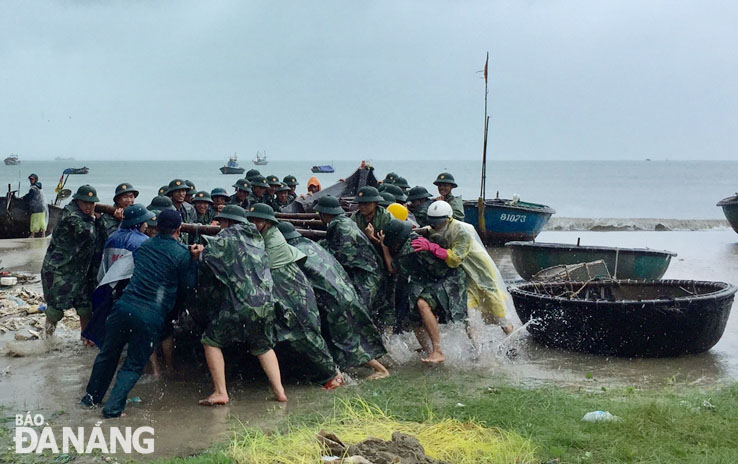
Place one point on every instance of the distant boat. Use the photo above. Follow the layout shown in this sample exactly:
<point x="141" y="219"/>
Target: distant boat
<point x="61" y="158"/>
<point x="82" y="170"/>
<point x="12" y="160"/>
<point x="15" y="217"/>
<point x="232" y="166"/>
<point x="326" y="168"/>
<point x="261" y="159"/>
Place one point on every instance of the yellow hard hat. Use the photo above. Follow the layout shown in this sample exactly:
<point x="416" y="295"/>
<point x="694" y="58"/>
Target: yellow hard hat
<point x="398" y="211"/>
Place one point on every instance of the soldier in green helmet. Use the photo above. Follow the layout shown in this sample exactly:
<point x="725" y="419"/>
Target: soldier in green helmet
<point x="163" y="190"/>
<point x="236" y="274"/>
<point x="251" y="173"/>
<point x="220" y="198"/>
<point x="445" y="183"/>
<point x="282" y="198"/>
<point x="401" y="183"/>
<point x="298" y="319"/>
<point x="177" y="192"/>
<point x="161" y="203"/>
<point x="346" y="325"/>
<point x="259" y="187"/>
<point x="271" y="194"/>
<point x="124" y="197"/>
<point x="419" y="200"/>
<point x="352" y="248"/>
<point x="203" y="206"/>
<point x="387" y="199"/>
<point x="370" y="217"/>
<point x="292" y="183"/>
<point x="242" y="197"/>
<point x="69" y="270"/>
<point x="191" y="192"/>
<point x="399" y="195"/>
<point x="390" y="178"/>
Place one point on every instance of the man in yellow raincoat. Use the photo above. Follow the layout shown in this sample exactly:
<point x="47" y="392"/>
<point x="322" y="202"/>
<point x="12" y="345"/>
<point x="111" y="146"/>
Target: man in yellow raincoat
<point x="453" y="242"/>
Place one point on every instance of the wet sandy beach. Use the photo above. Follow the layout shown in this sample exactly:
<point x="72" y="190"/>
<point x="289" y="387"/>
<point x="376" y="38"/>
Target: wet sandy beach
<point x="51" y="377"/>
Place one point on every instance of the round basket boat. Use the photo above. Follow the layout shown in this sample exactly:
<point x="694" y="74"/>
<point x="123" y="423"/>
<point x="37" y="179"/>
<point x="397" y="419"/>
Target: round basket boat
<point x="626" y="317"/>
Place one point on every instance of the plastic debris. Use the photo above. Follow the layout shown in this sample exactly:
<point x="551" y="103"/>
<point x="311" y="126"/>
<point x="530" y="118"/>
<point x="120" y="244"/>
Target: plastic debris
<point x="600" y="416"/>
<point x="134" y="399"/>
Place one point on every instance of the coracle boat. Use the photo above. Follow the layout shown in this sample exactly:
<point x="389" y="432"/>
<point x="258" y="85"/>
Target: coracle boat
<point x="626" y="318"/>
<point x="232" y="166"/>
<point x="530" y="258"/>
<point x="15" y="220"/>
<point x="730" y="209"/>
<point x="507" y="220"/>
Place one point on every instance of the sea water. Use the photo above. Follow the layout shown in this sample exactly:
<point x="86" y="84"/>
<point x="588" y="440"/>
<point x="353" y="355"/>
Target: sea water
<point x="579" y="189"/>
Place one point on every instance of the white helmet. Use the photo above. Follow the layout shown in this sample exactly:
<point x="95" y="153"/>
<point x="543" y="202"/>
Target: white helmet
<point x="439" y="211"/>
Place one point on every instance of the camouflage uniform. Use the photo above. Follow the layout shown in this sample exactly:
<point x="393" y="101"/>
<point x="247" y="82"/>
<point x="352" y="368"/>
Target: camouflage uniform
<point x="298" y="319"/>
<point x="236" y="275"/>
<point x="421" y="213"/>
<point x="108" y="224"/>
<point x="205" y="219"/>
<point x="457" y="205"/>
<point x="69" y="270"/>
<point x="380" y="219"/>
<point x="351" y="247"/>
<point x="427" y="277"/>
<point x="346" y="325"/>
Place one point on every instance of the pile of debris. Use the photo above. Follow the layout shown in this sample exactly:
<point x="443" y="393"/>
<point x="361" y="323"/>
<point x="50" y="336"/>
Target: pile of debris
<point x="402" y="448"/>
<point x="21" y="311"/>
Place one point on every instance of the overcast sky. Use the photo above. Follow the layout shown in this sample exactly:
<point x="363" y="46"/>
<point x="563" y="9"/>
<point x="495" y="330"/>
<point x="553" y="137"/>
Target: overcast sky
<point x="373" y="79"/>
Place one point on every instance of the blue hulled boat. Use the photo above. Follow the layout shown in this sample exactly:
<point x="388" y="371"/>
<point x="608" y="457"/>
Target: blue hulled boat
<point x="508" y="220"/>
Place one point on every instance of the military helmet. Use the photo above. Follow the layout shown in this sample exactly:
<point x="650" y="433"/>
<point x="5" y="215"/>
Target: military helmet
<point x="368" y="195"/>
<point x="382" y="187"/>
<point x="387" y="199"/>
<point x="273" y="180"/>
<point x="290" y="180"/>
<point x="396" y="232"/>
<point x="401" y="182"/>
<point x="219" y="192"/>
<point x="192" y="185"/>
<point x="439" y="211"/>
<point x="390" y="178"/>
<point x="152" y="221"/>
<point x="418" y="193"/>
<point x="400" y="196"/>
<point x="261" y="211"/>
<point x="288" y="230"/>
<point x="283" y="187"/>
<point x="259" y="181"/>
<point x="445" y="178"/>
<point x="125" y="188"/>
<point x="134" y="215"/>
<point x="232" y="213"/>
<point x="328" y="205"/>
<point x="163" y="190"/>
<point x="161" y="203"/>
<point x="251" y="173"/>
<point x="243" y="184"/>
<point x="86" y="193"/>
<point x="177" y="184"/>
<point x="202" y="196"/>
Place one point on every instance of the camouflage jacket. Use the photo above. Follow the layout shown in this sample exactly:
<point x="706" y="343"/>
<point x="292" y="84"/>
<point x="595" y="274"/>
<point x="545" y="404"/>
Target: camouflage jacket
<point x="350" y="246"/>
<point x="457" y="205"/>
<point x="109" y="224"/>
<point x="206" y="218"/>
<point x="381" y="218"/>
<point x="243" y="204"/>
<point x="421" y="213"/>
<point x="188" y="213"/>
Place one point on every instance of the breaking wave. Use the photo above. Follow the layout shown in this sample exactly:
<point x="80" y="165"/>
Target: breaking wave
<point x="616" y="224"/>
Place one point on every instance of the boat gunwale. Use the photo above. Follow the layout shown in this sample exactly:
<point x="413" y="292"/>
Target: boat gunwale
<point x="728" y="201"/>
<point x="528" y="207"/>
<point x="726" y="290"/>
<point x="571" y="247"/>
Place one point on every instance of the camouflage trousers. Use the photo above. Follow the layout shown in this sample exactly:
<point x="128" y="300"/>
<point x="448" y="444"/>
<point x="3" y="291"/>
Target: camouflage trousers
<point x="376" y="293"/>
<point x="298" y="321"/>
<point x="63" y="291"/>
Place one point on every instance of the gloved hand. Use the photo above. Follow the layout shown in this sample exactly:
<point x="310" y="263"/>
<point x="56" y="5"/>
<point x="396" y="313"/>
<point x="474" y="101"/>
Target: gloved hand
<point x="423" y="244"/>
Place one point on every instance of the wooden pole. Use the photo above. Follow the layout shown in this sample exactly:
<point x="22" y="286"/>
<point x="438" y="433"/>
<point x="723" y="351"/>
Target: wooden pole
<point x="482" y="226"/>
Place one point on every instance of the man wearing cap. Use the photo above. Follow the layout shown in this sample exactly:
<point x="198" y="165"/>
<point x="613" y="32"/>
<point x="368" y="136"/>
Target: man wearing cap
<point x="203" y="206"/>
<point x="124" y="197"/>
<point x="352" y="248"/>
<point x="69" y="270"/>
<point x="190" y="192"/>
<point x="36" y="203"/>
<point x="345" y="323"/>
<point x="445" y="183"/>
<point x="402" y="184"/>
<point x="242" y="196"/>
<point x="164" y="268"/>
<point x="292" y="183"/>
<point x="177" y="191"/>
<point x="259" y="187"/>
<point x="270" y="195"/>
<point x="220" y="198"/>
<point x="435" y="291"/>
<point x="236" y="274"/>
<point x="298" y="318"/>
<point x="116" y="268"/>
<point x="419" y="200"/>
<point x="370" y="217"/>
<point x="283" y="197"/>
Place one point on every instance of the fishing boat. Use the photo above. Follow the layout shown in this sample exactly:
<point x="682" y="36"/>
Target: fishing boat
<point x="345" y="190"/>
<point x="625" y="317"/>
<point x="730" y="209"/>
<point x="232" y="166"/>
<point x="324" y="168"/>
<point x="12" y="160"/>
<point x="15" y="219"/>
<point x="82" y="170"/>
<point x="530" y="258"/>
<point x="261" y="159"/>
<point x="498" y="220"/>
<point x="62" y="158"/>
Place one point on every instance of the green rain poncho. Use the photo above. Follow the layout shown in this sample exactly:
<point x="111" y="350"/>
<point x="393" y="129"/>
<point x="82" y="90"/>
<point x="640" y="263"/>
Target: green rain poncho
<point x="298" y="319"/>
<point x="235" y="288"/>
<point x="346" y="325"/>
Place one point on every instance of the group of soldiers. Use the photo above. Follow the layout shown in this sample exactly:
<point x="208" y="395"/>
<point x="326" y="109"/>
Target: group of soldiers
<point x="403" y="260"/>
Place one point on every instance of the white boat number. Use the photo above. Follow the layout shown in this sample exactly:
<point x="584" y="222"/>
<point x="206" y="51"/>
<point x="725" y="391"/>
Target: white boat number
<point x="512" y="217"/>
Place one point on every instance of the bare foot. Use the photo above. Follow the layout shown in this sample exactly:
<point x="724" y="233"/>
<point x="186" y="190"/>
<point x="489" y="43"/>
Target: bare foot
<point x="214" y="400"/>
<point x="49" y="328"/>
<point x="379" y="375"/>
<point x="435" y="358"/>
<point x="280" y="396"/>
<point x="508" y="329"/>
